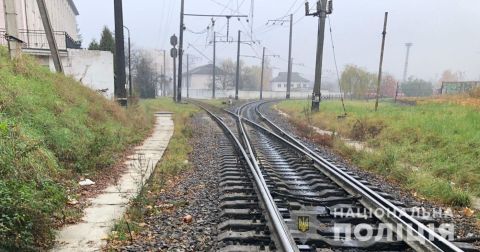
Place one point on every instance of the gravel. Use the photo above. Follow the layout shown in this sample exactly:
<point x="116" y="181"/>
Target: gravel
<point x="196" y="193"/>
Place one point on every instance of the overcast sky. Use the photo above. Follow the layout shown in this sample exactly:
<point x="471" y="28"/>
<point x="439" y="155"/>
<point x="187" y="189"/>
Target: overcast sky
<point x="445" y="33"/>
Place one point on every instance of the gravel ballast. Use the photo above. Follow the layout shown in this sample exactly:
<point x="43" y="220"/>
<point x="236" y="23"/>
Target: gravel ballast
<point x="195" y="193"/>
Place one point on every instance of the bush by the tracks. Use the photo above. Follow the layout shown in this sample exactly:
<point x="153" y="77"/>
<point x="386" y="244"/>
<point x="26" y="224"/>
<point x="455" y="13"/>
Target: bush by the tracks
<point x="52" y="131"/>
<point x="431" y="148"/>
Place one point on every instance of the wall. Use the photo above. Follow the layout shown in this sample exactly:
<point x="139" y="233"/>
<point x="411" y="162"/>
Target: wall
<point x="200" y="81"/>
<point x="93" y="68"/>
<point x="295" y="86"/>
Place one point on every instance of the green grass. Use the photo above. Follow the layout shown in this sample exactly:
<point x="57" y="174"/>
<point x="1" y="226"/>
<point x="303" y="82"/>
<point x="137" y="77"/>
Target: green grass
<point x="172" y="164"/>
<point x="431" y="148"/>
<point x="52" y="131"/>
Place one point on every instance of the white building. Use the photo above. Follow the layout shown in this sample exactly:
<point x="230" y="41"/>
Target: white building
<point x="200" y="78"/>
<point x="62" y="14"/>
<point x="93" y="68"/>
<point x="279" y="83"/>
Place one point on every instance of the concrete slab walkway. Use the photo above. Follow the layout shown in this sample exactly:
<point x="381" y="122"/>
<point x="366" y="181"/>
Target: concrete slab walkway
<point x="110" y="205"/>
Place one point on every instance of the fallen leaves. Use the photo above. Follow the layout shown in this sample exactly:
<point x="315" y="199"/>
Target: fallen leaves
<point x="468" y="212"/>
<point x="187" y="219"/>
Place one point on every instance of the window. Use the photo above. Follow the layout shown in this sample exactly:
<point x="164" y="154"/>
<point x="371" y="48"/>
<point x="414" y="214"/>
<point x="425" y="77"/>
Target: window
<point x="279" y="85"/>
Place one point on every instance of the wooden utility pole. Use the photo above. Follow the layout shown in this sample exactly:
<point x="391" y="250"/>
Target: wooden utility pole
<point x="14" y="42"/>
<point x="214" y="64"/>
<point x="120" y="90"/>
<point x="237" y="77"/>
<point x="289" y="74"/>
<point x="180" y="53"/>
<point x="396" y="92"/>
<point x="324" y="7"/>
<point x="384" y="34"/>
<point x="52" y="43"/>
<point x="263" y="70"/>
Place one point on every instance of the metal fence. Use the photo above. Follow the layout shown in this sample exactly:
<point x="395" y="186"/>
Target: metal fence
<point x="458" y="87"/>
<point x="207" y="93"/>
<point x="37" y="40"/>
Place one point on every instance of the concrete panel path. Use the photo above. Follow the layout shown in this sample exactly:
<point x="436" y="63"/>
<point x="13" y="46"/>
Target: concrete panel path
<point x="110" y="205"/>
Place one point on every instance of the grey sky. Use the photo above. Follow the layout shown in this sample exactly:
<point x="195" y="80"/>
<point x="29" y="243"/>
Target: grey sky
<point x="445" y="33"/>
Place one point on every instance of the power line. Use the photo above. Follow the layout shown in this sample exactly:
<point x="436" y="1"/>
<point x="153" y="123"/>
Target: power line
<point x="336" y="65"/>
<point x="200" y="52"/>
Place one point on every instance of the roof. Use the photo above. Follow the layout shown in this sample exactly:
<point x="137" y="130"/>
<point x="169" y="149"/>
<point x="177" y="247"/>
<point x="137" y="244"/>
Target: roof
<point x="206" y="70"/>
<point x="73" y="6"/>
<point x="282" y="77"/>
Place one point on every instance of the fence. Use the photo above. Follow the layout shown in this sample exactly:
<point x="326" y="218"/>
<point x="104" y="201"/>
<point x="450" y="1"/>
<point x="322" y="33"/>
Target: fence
<point x="37" y="40"/>
<point x="458" y="87"/>
<point x="242" y="94"/>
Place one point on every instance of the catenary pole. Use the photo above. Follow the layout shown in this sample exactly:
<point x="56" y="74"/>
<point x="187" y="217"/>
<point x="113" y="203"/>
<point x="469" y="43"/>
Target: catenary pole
<point x="214" y="64"/>
<point x="180" y="53"/>
<point x="263" y="71"/>
<point x="237" y="77"/>
<point x="289" y="74"/>
<point x="188" y="76"/>
<point x="130" y="86"/>
<point x="317" y="93"/>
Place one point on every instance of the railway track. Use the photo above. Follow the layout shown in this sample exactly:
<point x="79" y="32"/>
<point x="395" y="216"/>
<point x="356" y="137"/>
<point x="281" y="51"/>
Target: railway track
<point x="281" y="195"/>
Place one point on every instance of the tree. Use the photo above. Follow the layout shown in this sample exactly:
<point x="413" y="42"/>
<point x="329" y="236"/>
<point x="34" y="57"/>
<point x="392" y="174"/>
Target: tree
<point x="250" y="78"/>
<point x="227" y="79"/>
<point x="94" y="45"/>
<point x="107" y="42"/>
<point x="389" y="86"/>
<point x="417" y="88"/>
<point x="145" y="78"/>
<point x="357" y="81"/>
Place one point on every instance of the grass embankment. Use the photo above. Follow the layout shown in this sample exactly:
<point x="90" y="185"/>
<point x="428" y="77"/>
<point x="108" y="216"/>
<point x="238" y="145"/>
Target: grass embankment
<point x="431" y="148"/>
<point x="52" y="131"/>
<point x="172" y="164"/>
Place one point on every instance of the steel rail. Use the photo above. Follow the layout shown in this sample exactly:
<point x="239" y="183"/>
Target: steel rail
<point x="284" y="237"/>
<point x="287" y="241"/>
<point x="411" y="228"/>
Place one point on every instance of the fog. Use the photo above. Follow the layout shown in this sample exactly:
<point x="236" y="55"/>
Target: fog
<point x="445" y="33"/>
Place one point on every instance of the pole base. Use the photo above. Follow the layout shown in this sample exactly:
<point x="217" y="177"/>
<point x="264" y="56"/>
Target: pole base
<point x="288" y="96"/>
<point x="236" y="97"/>
<point x="315" y="106"/>
<point x="122" y="102"/>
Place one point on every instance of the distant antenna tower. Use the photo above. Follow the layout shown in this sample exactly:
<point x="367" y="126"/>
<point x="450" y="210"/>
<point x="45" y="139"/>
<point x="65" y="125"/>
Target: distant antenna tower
<point x="405" y="71"/>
